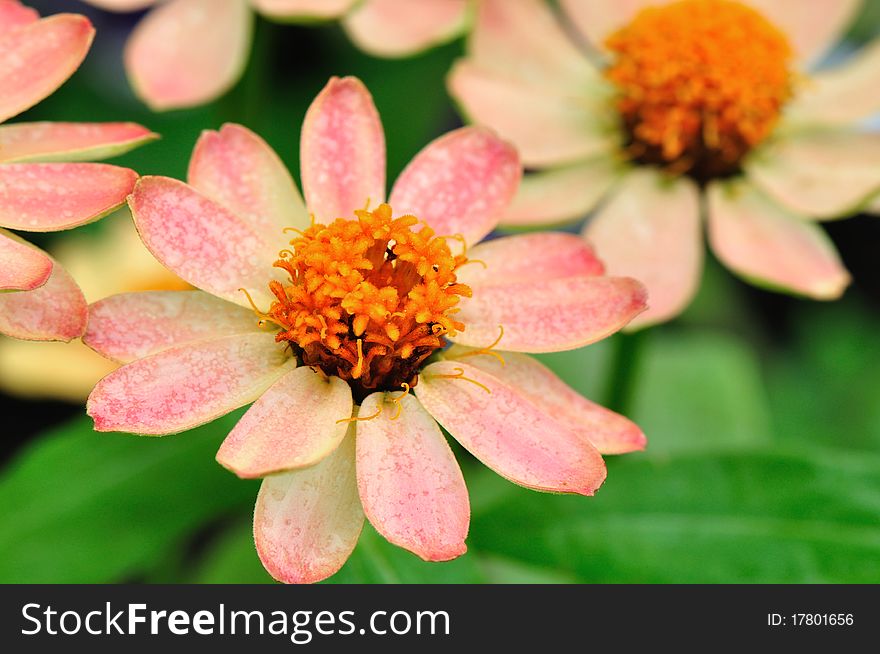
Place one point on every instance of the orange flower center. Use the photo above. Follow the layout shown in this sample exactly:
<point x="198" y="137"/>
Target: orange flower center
<point x="368" y="299"/>
<point x="700" y="83"/>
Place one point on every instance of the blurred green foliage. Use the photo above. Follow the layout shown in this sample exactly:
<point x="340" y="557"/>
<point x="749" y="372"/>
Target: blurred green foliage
<point x="763" y="461"/>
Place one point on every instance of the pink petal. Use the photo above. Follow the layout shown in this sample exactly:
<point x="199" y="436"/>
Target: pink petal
<point x="56" y="311"/>
<point x="771" y="246"/>
<point x="397" y="28"/>
<point x="562" y="194"/>
<point x="188" y="385"/>
<point x="531" y="257"/>
<point x="549" y="315"/>
<point x="508" y="432"/>
<point x="609" y="432"/>
<point x="237" y="169"/>
<point x="523" y="39"/>
<point x="812" y="27"/>
<point x="307" y="522"/>
<point x="189" y="52"/>
<point x="122" y="6"/>
<point x="459" y="183"/>
<point x="294" y="424"/>
<point x="821" y="174"/>
<point x="548" y="128"/>
<point x="204" y="243"/>
<point x="410" y="484"/>
<point x="47" y="197"/>
<point x="842" y="95"/>
<point x="650" y="230"/>
<point x="38" y="57"/>
<point x="70" y="141"/>
<point x="342" y="151"/>
<point x="13" y="14"/>
<point x="303" y="10"/>
<point x="23" y="267"/>
<point x="596" y="20"/>
<point x="132" y="326"/>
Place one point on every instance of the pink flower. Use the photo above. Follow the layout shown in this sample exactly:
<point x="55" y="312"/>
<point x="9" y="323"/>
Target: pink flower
<point x="346" y="365"/>
<point x="189" y="52"/>
<point x="696" y="108"/>
<point x="38" y="299"/>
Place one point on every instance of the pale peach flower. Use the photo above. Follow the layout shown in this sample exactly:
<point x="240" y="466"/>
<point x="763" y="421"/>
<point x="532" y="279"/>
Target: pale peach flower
<point x="112" y="261"/>
<point x="38" y="299"/>
<point x="188" y="52"/>
<point x="345" y="361"/>
<point x="687" y="113"/>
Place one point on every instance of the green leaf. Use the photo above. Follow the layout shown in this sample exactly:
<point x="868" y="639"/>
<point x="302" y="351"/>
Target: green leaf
<point x="709" y="517"/>
<point x="80" y="506"/>
<point x="699" y="389"/>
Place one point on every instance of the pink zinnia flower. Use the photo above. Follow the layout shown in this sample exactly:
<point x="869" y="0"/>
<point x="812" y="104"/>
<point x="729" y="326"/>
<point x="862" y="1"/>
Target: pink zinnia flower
<point x="347" y="362"/>
<point x="690" y="110"/>
<point x="189" y="52"/>
<point x="38" y="299"/>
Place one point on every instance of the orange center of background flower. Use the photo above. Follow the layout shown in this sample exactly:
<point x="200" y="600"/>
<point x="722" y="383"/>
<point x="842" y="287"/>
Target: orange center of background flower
<point x="368" y="299"/>
<point x="700" y="82"/>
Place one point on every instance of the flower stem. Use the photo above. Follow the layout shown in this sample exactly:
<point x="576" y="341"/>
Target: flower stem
<point x="625" y="362"/>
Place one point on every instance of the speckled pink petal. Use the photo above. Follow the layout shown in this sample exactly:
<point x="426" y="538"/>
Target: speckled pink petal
<point x="202" y="242"/>
<point x="508" y="432"/>
<point x="650" y="229"/>
<point x="842" y="95"/>
<point x="189" y="52"/>
<point x="549" y="315"/>
<point x="397" y="28"/>
<point x="238" y="169"/>
<point x="459" y="183"/>
<point x="188" y="385"/>
<point x="561" y="195"/>
<point x="533" y="257"/>
<point x="56" y="311"/>
<point x="13" y="14"/>
<point x="38" y="57"/>
<point x="122" y="6"/>
<point x="132" y="326"/>
<point x="23" y="267"/>
<point x="597" y="19"/>
<point x="609" y="432"/>
<point x="307" y="522"/>
<point x="820" y="174"/>
<point x="342" y="151"/>
<point x="523" y="39"/>
<point x="294" y="424"/>
<point x="47" y="197"/>
<point x="771" y="246"/>
<point x="47" y="141"/>
<point x="410" y="484"/>
<point x="303" y="10"/>
<point x="548" y="128"/>
<point x="812" y="27"/>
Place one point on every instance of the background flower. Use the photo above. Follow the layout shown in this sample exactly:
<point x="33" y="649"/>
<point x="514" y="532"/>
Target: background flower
<point x="760" y="191"/>
<point x="189" y="52"/>
<point x="38" y="299"/>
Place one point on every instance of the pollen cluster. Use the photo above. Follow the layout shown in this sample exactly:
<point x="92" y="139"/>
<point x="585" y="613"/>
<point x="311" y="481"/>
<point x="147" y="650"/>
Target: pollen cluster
<point x="369" y="298"/>
<point x="700" y="83"/>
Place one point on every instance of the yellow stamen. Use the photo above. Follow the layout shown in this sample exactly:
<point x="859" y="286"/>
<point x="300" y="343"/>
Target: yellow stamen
<point x="488" y="350"/>
<point x="460" y="375"/>
<point x="362" y="419"/>
<point x="399" y="400"/>
<point x="700" y="83"/>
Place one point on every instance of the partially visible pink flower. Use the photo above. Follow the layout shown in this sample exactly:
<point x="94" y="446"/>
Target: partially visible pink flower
<point x="345" y="362"/>
<point x="189" y="52"/>
<point x="38" y="299"/>
<point x="690" y="116"/>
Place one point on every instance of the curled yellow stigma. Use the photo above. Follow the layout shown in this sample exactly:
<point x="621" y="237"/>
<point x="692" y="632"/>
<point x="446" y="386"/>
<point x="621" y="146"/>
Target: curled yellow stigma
<point x="700" y="83"/>
<point x="368" y="299"/>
